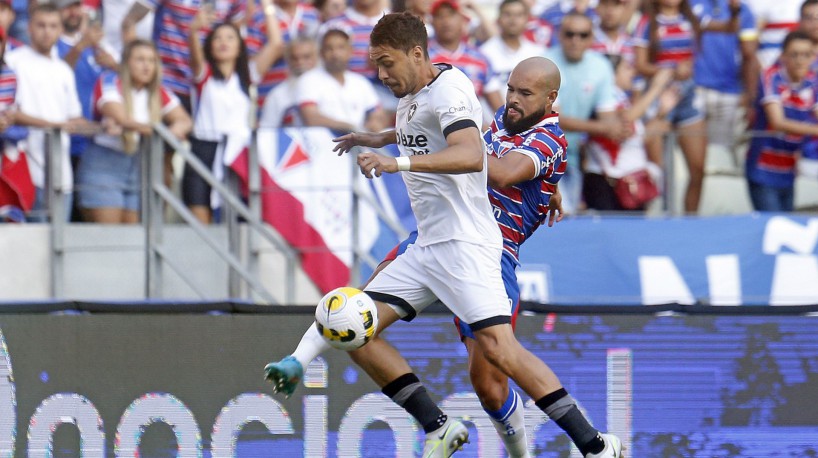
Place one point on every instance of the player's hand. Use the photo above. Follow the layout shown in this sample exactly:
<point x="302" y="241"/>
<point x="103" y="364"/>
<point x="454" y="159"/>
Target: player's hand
<point x="373" y="164"/>
<point x="353" y="139"/>
<point x="555" y="211"/>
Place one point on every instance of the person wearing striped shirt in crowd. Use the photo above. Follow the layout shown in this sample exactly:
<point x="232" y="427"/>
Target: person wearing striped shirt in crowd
<point x="295" y="20"/>
<point x="668" y="36"/>
<point x="786" y="111"/>
<point x="610" y="37"/>
<point x="171" y="29"/>
<point x="448" y="46"/>
<point x="16" y="189"/>
<point x="359" y="20"/>
<point x="774" y="19"/>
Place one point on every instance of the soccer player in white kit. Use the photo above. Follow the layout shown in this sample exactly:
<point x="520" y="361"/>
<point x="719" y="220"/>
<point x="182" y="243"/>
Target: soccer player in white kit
<point x="456" y="258"/>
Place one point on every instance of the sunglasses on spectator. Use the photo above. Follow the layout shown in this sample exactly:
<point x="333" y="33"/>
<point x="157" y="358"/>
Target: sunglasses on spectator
<point x="569" y="34"/>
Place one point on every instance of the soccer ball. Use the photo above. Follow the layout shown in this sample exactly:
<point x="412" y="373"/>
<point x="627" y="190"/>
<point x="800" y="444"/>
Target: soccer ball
<point x="347" y="318"/>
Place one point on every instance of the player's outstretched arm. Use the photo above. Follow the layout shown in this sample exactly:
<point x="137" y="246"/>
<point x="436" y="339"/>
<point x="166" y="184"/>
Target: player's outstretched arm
<point x="368" y="139"/>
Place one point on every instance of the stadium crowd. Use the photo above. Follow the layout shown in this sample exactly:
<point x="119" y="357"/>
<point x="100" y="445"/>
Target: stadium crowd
<point x="739" y="77"/>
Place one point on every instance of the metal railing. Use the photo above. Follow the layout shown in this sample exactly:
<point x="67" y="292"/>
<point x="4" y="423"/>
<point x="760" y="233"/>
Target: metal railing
<point x="248" y="235"/>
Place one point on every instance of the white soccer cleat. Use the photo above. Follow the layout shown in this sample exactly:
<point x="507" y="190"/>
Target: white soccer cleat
<point x="613" y="448"/>
<point x="446" y="440"/>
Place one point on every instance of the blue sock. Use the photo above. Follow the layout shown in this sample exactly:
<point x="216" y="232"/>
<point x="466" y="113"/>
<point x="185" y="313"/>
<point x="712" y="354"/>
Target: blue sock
<point x="506" y="409"/>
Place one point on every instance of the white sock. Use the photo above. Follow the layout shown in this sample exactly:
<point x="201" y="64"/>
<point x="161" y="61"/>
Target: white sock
<point x="311" y="345"/>
<point x="509" y="422"/>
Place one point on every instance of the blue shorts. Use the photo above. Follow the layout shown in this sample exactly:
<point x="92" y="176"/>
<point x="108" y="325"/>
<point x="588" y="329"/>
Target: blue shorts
<point x="508" y="267"/>
<point x="690" y="108"/>
<point x="107" y="178"/>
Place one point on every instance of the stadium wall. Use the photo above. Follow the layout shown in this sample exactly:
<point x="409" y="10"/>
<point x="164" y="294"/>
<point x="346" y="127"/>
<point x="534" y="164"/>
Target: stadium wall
<point x="101" y="380"/>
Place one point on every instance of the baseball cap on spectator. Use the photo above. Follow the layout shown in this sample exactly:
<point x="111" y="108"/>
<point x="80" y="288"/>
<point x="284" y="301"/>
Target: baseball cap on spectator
<point x="453" y="4"/>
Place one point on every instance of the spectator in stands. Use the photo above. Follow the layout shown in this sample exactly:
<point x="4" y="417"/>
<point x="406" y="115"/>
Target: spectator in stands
<point x="172" y="28"/>
<point x="281" y="105"/>
<point x="329" y="9"/>
<point x="332" y="96"/>
<point x="17" y="193"/>
<point x="726" y="73"/>
<point x="808" y="22"/>
<point x="668" y="36"/>
<point x="449" y="23"/>
<point x="223" y="106"/>
<point x="610" y="36"/>
<point x="592" y="93"/>
<point x="81" y="46"/>
<point x="128" y="103"/>
<point x="359" y="20"/>
<point x="774" y="18"/>
<point x="293" y="19"/>
<point x="618" y="175"/>
<point x="786" y="110"/>
<point x="510" y="47"/>
<point x="7" y="19"/>
<point x="555" y="14"/>
<point x="47" y="97"/>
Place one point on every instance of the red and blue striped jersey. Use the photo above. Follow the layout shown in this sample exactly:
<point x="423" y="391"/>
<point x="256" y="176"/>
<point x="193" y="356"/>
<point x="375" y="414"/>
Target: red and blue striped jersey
<point x="468" y="59"/>
<point x="171" y="29"/>
<point x="677" y="39"/>
<point x="360" y="27"/>
<point x="621" y="46"/>
<point x="540" y="31"/>
<point x="8" y="87"/>
<point x="304" y="23"/>
<point x="520" y="209"/>
<point x="771" y="159"/>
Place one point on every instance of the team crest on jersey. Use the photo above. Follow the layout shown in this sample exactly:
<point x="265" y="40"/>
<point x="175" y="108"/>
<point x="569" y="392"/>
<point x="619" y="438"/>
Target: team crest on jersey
<point x="412" y="109"/>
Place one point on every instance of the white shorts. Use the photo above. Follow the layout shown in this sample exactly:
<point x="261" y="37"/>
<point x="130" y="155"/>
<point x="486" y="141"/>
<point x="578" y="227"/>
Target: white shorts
<point x="463" y="276"/>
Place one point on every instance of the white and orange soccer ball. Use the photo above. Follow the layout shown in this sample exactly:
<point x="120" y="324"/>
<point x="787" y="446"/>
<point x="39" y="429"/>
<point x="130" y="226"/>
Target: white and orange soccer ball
<point x="347" y="318"/>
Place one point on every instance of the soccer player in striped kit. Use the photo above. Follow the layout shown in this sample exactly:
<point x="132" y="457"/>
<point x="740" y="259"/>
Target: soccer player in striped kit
<point x="459" y="249"/>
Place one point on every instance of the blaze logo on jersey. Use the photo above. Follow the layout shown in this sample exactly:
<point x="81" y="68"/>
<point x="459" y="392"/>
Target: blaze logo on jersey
<point x="412" y="141"/>
<point x="412" y="109"/>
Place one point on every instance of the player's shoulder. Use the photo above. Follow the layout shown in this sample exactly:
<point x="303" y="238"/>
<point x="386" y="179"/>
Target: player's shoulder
<point x="450" y="82"/>
<point x="546" y="134"/>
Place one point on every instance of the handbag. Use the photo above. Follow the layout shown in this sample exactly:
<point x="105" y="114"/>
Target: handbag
<point x="635" y="189"/>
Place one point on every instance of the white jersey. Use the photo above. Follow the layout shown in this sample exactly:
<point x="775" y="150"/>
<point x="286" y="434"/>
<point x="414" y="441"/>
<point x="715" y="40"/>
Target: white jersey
<point x="446" y="206"/>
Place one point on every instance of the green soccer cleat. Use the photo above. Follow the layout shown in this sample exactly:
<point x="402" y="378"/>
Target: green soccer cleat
<point x="444" y="442"/>
<point x="284" y="375"/>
